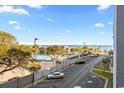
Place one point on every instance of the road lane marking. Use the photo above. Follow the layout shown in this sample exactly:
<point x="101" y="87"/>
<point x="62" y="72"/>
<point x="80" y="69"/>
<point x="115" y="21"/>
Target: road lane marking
<point x="89" y="81"/>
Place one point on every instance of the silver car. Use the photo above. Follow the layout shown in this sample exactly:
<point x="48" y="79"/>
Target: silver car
<point x="56" y="75"/>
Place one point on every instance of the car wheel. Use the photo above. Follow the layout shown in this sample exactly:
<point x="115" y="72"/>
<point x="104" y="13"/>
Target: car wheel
<point x="61" y="77"/>
<point x="49" y="78"/>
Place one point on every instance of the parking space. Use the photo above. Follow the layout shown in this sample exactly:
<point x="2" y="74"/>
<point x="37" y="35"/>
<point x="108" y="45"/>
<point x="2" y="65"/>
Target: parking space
<point x="92" y="81"/>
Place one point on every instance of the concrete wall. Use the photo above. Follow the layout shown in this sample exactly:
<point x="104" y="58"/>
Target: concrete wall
<point x="25" y="80"/>
<point x="38" y="75"/>
<point x="9" y="84"/>
<point x="119" y="45"/>
<point x="20" y="82"/>
<point x="45" y="72"/>
<point x="53" y="69"/>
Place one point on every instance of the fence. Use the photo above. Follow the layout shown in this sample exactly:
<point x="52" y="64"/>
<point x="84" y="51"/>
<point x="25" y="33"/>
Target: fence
<point x="29" y="79"/>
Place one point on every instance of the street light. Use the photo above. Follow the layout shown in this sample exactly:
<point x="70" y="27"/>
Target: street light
<point x="35" y="39"/>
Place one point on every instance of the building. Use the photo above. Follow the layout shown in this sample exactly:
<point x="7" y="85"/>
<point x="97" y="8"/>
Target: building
<point x="119" y="46"/>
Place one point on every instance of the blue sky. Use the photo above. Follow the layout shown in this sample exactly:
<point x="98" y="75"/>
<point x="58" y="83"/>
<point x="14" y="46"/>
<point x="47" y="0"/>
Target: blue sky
<point x="59" y="25"/>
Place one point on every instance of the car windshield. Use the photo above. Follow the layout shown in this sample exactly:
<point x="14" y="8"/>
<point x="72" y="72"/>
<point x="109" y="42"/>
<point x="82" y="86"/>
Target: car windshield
<point x="56" y="73"/>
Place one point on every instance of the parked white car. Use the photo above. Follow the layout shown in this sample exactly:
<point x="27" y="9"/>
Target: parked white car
<point x="56" y="75"/>
<point x="77" y="87"/>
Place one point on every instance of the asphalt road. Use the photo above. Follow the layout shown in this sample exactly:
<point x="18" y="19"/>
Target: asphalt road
<point x="76" y="75"/>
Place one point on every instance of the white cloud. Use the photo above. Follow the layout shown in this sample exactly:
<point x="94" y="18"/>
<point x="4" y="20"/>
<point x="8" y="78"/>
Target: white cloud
<point x="98" y="25"/>
<point x="68" y="31"/>
<point x="110" y="23"/>
<point x="50" y="19"/>
<point x="6" y="9"/>
<point x="21" y="11"/>
<point x="11" y="9"/>
<point x="15" y="24"/>
<point x="12" y="22"/>
<point x="36" y="6"/>
<point x="17" y="27"/>
<point x="103" y="7"/>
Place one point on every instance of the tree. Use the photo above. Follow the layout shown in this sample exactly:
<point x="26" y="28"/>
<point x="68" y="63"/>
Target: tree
<point x="33" y="66"/>
<point x="76" y="50"/>
<point x="35" y="49"/>
<point x="42" y="50"/>
<point x="13" y="55"/>
<point x="105" y="51"/>
<point x="85" y="48"/>
<point x="6" y="42"/>
<point x="105" y="61"/>
<point x="7" y="39"/>
<point x="13" y="59"/>
<point x="91" y="51"/>
<point x="3" y="50"/>
<point x="110" y="52"/>
<point x="97" y="50"/>
<point x="56" y="52"/>
<point x="25" y="48"/>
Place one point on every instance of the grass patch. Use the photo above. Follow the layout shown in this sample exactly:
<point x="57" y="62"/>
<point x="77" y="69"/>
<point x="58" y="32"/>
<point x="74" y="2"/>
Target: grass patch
<point x="107" y="75"/>
<point x="110" y="83"/>
<point x="101" y="68"/>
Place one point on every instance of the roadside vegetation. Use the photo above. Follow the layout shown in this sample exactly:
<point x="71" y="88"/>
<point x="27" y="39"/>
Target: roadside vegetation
<point x="101" y="68"/>
<point x="107" y="75"/>
<point x="13" y="55"/>
<point x="104" y="71"/>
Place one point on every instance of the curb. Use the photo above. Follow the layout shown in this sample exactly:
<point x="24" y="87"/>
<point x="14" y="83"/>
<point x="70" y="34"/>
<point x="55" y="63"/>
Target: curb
<point x="106" y="80"/>
<point x="36" y="82"/>
<point x="101" y="70"/>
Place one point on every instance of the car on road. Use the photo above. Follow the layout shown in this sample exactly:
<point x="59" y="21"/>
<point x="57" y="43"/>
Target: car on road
<point x="56" y="75"/>
<point x="80" y="62"/>
<point x="94" y="55"/>
<point x="77" y="87"/>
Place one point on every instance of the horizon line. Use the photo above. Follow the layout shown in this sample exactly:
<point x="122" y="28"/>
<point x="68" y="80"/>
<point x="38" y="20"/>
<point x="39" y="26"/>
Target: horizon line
<point x="68" y="44"/>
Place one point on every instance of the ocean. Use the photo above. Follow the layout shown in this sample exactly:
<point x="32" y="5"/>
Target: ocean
<point x="103" y="47"/>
